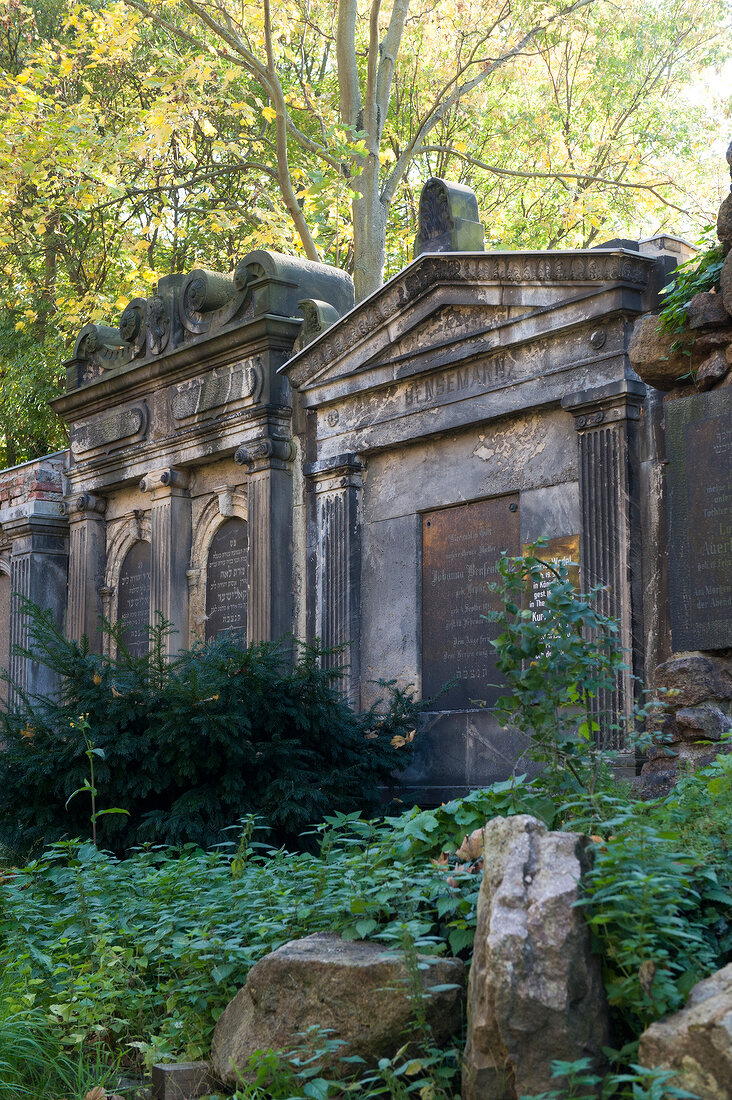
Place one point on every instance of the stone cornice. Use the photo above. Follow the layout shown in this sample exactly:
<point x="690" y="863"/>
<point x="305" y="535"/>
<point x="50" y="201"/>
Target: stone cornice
<point x="586" y="268"/>
<point x="136" y="378"/>
<point x="186" y="309"/>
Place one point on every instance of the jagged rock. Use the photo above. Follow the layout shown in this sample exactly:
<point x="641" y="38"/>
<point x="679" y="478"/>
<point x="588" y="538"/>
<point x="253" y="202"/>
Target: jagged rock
<point x="659" y="775"/>
<point x="654" y="357"/>
<point x="707" y="309"/>
<point x="711" y="339"/>
<point x="356" y="990"/>
<point x="697" y="1041"/>
<point x="712" y="370"/>
<point x="693" y="755"/>
<point x="725" y="282"/>
<point x="535" y="992"/>
<point x="695" y="678"/>
<point x="703" y="723"/>
<point x="724" y="222"/>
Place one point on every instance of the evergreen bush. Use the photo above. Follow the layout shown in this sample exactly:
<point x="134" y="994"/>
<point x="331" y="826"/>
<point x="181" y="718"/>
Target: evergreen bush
<point x="189" y="744"/>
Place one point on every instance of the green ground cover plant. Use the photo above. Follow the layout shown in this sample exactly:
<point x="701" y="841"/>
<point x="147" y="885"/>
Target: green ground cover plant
<point x="701" y="273"/>
<point x="133" y="959"/>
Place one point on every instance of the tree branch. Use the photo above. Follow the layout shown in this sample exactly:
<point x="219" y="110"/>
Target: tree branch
<point x="283" y="167"/>
<point x="438" y="113"/>
<point x="389" y="51"/>
<point x="584" y="177"/>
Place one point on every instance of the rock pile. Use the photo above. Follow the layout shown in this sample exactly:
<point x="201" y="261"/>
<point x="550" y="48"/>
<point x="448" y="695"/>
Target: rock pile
<point x="700" y="357"/>
<point x="699" y="714"/>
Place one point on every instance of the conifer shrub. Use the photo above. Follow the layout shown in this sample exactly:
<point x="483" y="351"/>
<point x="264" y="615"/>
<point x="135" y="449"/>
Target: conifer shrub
<point x="188" y="745"/>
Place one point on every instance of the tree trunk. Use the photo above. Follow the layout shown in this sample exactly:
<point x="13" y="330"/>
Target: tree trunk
<point x="369" y="231"/>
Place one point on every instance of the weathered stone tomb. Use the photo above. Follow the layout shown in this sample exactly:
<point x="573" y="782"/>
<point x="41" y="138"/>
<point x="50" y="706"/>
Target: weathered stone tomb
<point x="250" y="452"/>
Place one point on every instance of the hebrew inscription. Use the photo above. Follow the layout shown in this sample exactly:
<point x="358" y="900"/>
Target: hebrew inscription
<point x="227" y="574"/>
<point x="221" y="387"/>
<point x="117" y="427"/>
<point x="133" y="601"/>
<point x="461" y="547"/>
<point x="699" y="449"/>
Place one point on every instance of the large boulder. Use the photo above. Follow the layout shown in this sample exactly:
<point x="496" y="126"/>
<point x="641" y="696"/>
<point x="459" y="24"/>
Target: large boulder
<point x="660" y="358"/>
<point x="359" y="992"/>
<point x="535" y="992"/>
<point x="696" y="1043"/>
<point x="695" y="678"/>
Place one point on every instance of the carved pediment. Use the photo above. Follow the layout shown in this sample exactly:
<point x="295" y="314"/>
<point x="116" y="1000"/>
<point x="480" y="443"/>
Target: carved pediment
<point x="450" y="308"/>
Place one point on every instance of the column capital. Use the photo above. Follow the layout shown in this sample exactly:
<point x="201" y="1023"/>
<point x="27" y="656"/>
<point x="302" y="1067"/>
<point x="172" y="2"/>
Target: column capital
<point x="86" y="506"/>
<point x="621" y="400"/>
<point x="343" y="471"/>
<point x="271" y="452"/>
<point x="164" y="482"/>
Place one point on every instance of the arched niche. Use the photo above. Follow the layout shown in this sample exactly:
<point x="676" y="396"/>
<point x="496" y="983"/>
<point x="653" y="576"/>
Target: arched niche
<point x="227" y="579"/>
<point x="226" y="505"/>
<point x="133" y="597"/>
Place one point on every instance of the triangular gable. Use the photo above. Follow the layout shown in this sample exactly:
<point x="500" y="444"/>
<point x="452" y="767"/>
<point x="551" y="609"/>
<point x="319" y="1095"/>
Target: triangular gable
<point x="451" y="307"/>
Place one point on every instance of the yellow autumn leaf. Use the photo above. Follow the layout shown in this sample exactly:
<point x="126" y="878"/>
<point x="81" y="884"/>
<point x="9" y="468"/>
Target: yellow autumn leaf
<point x="208" y="129"/>
<point x="19" y="326"/>
<point x="121" y="302"/>
<point x="269" y="113"/>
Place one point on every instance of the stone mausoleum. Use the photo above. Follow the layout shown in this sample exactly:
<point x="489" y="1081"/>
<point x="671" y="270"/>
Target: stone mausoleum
<point x="251" y="452"/>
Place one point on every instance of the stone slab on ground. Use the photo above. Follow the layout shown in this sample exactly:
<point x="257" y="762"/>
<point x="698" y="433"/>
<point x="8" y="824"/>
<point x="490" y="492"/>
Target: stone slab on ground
<point x="357" y="991"/>
<point x="181" y="1081"/>
<point x="696" y="1042"/>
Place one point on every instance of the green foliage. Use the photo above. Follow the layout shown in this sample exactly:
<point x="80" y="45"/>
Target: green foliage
<point x="636" y="1083"/>
<point x="190" y="744"/>
<point x="699" y="274"/>
<point x="659" y="897"/>
<point x="29" y="379"/>
<point x="557" y="666"/>
<point x="33" y="1060"/>
<point x="142" y="954"/>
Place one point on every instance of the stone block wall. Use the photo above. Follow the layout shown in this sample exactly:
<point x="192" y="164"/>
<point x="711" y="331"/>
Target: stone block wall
<point x="39" y="479"/>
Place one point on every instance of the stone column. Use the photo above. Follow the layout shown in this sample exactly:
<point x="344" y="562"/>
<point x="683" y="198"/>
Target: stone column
<point x="337" y="484"/>
<point x="170" y="549"/>
<point x="87" y="557"/>
<point x="39" y="537"/>
<point x="269" y="462"/>
<point x="607" y="422"/>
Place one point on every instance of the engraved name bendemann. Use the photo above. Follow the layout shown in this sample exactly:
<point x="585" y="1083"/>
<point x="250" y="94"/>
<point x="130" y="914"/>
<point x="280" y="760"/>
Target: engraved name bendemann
<point x="457" y="380"/>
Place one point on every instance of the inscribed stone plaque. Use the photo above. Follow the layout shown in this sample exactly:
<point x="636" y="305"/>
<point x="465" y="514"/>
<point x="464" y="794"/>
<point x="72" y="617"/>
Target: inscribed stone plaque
<point x="563" y="550"/>
<point x="699" y="450"/>
<point x="227" y="573"/>
<point x="133" y="602"/>
<point x="461" y="547"/>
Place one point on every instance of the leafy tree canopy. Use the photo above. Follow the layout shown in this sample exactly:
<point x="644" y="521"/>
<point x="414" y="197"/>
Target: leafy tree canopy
<point x="139" y="140"/>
